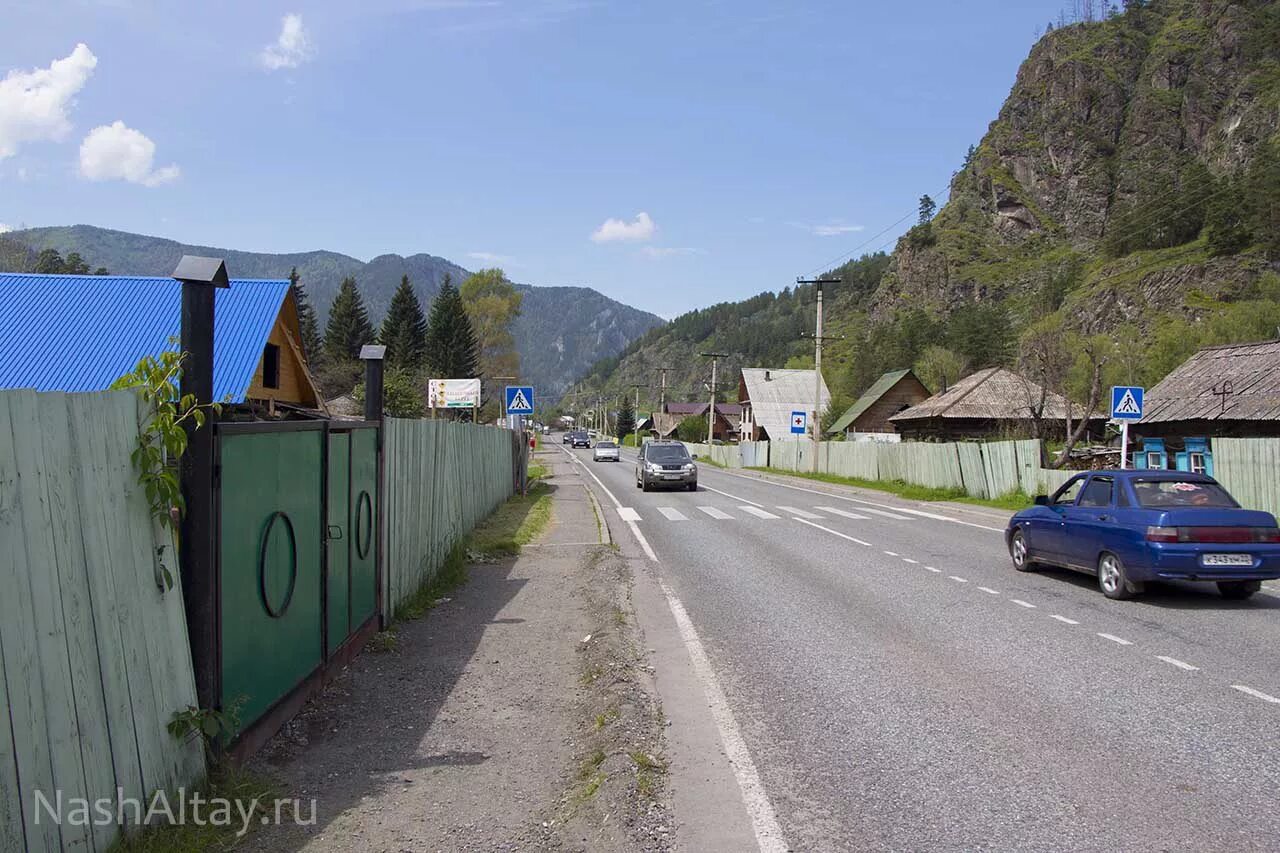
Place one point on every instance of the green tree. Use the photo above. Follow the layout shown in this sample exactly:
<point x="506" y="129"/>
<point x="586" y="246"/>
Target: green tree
<point x="626" y="417"/>
<point x="927" y="208"/>
<point x="1263" y="191"/>
<point x="49" y="262"/>
<point x="402" y="394"/>
<point x="450" y="348"/>
<point x="307" y="324"/>
<point x="981" y="333"/>
<point x="493" y="304"/>
<point x="404" y="331"/>
<point x="74" y="265"/>
<point x="939" y="368"/>
<point x="348" y="328"/>
<point x="692" y="429"/>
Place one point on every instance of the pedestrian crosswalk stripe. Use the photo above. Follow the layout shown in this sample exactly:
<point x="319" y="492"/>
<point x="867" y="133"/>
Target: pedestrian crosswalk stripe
<point x="626" y="513"/>
<point x="672" y="513"/>
<point x="757" y="512"/>
<point x="892" y="515"/>
<point x="796" y="511"/>
<point x="715" y="513"/>
<point x="843" y="512"/>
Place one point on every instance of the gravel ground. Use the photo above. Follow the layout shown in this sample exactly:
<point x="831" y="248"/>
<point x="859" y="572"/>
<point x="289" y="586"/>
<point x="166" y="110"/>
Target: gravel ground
<point x="519" y="714"/>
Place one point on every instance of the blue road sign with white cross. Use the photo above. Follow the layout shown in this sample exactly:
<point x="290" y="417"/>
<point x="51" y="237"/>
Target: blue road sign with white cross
<point x="519" y="399"/>
<point x="1126" y="403"/>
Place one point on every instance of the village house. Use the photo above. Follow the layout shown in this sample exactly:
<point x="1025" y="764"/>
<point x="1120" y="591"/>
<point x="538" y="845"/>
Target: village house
<point x="868" y="418"/>
<point x="768" y="396"/>
<point x="991" y="403"/>
<point x="83" y="332"/>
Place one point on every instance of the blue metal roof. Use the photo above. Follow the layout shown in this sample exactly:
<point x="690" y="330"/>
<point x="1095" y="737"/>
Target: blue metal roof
<point x="82" y="332"/>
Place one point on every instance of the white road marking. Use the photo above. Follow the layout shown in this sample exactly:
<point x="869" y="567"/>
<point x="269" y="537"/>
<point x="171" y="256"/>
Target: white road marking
<point x="989" y="590"/>
<point x="844" y="512"/>
<point x="672" y="513"/>
<point x="763" y="819"/>
<point x="727" y="495"/>
<point x="799" y="513"/>
<point x="958" y="579"/>
<point x="892" y="553"/>
<point x="626" y="513"/>
<point x="895" y="516"/>
<point x="834" y="532"/>
<point x="635" y="530"/>
<point x="758" y="512"/>
<point x="1021" y="603"/>
<point x="911" y="561"/>
<point x="1064" y="620"/>
<point x="715" y="513"/>
<point x="1113" y="638"/>
<point x="932" y="569"/>
<point x="1257" y="694"/>
<point x="1180" y="664"/>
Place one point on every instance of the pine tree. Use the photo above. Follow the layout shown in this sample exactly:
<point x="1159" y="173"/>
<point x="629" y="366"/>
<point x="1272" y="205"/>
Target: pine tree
<point x="626" y="418"/>
<point x="450" y="340"/>
<point x="310" y="342"/>
<point x="404" y="331"/>
<point x="348" y="328"/>
<point x="927" y="208"/>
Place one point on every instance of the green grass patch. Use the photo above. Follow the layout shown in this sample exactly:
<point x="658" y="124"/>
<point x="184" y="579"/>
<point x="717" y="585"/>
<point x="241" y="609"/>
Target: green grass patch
<point x="910" y="491"/>
<point x="451" y="576"/>
<point x="537" y="472"/>
<point x="226" y="783"/>
<point x="383" y="641"/>
<point x="516" y="523"/>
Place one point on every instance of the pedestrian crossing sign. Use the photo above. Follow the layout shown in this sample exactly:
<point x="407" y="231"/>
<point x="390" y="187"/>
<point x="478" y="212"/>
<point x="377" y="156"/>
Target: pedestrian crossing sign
<point x="1126" y="403"/>
<point x="519" y="399"/>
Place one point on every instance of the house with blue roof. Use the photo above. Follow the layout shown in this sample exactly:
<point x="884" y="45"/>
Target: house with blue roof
<point x="82" y="332"/>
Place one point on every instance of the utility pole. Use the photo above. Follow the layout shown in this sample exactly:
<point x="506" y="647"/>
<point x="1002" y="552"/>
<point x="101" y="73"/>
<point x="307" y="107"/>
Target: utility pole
<point x="817" y="367"/>
<point x="711" y="412"/>
<point x="635" y="420"/>
<point x="662" y="399"/>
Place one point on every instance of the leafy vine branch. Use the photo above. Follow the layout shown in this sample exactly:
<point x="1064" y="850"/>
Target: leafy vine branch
<point x="162" y="438"/>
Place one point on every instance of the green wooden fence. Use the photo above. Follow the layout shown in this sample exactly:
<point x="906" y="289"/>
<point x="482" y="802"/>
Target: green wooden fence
<point x="93" y="652"/>
<point x="442" y="478"/>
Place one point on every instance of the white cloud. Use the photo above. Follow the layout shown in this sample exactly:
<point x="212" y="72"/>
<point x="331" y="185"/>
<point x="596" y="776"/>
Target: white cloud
<point x="34" y="104"/>
<point x="490" y="258"/>
<point x="291" y="48"/>
<point x="831" y="228"/>
<point x="4" y="229"/>
<point x="120" y="153"/>
<point x="636" y="231"/>
<point x="659" y="252"/>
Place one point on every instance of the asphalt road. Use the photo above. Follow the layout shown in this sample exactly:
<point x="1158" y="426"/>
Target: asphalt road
<point x="899" y="686"/>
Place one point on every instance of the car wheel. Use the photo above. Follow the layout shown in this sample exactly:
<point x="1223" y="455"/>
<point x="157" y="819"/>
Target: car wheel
<point x="637" y="482"/>
<point x="644" y="484"/>
<point x="1113" y="580"/>
<point x="1238" y="590"/>
<point x="1020" y="554"/>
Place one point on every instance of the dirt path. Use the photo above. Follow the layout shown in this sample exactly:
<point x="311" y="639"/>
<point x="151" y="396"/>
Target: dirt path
<point x="516" y="715"/>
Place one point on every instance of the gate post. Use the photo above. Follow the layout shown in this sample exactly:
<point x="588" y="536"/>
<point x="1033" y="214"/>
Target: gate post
<point x="200" y="278"/>
<point x="373" y="357"/>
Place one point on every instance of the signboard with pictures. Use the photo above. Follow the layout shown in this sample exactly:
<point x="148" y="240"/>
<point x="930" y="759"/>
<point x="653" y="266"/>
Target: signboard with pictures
<point x="453" y="393"/>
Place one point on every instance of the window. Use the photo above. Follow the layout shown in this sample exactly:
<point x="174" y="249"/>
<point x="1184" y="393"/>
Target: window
<point x="1067" y="494"/>
<point x="666" y="453"/>
<point x="1154" y="462"/>
<point x="1171" y="493"/>
<point x="271" y="366"/>
<point x="1197" y="463"/>
<point x="1098" y="492"/>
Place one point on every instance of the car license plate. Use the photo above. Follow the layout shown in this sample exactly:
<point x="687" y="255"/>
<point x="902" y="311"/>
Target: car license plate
<point x="1227" y="560"/>
<point x="671" y="476"/>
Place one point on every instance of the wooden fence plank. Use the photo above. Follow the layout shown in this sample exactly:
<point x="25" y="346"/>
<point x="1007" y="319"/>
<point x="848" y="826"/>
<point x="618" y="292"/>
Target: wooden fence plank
<point x="11" y="830"/>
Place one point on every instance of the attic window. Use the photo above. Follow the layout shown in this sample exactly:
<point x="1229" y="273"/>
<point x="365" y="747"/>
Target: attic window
<point x="271" y="366"/>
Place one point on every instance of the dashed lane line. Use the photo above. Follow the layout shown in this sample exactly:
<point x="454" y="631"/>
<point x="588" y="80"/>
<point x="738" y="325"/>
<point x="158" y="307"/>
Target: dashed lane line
<point x="989" y="590"/>
<point x="758" y="512"/>
<point x="932" y="569"/>
<point x="1064" y="620"/>
<point x="1113" y="638"/>
<point x="911" y="561"/>
<point x="1256" y="694"/>
<point x="892" y="554"/>
<point x="958" y="579"/>
<point x="1021" y="603"/>
<point x="1180" y="664"/>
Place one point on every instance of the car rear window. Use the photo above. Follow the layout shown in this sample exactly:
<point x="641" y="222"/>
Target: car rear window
<point x="1178" y="493"/>
<point x="605" y="444"/>
<point x="667" y="453"/>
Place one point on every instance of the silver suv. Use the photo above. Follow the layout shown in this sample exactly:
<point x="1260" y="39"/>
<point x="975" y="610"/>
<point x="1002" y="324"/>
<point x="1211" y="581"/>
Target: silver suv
<point x="666" y="463"/>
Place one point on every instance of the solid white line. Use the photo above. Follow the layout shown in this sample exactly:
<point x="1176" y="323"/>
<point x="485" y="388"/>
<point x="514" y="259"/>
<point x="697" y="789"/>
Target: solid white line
<point x="958" y="579"/>
<point x="1113" y="638"/>
<point x="1064" y="620"/>
<point x="672" y="513"/>
<point x="911" y="561"/>
<point x="989" y="590"/>
<point x="833" y="511"/>
<point x="1180" y="664"/>
<point x="758" y="512"/>
<point x="635" y="530"/>
<point x="1257" y="694"/>
<point x="763" y="819"/>
<point x="834" y="532"/>
<point x="799" y="513"/>
<point x="892" y="553"/>
<point x="727" y="495"/>
<point x="715" y="513"/>
<point x="1021" y="603"/>
<point x="626" y="513"/>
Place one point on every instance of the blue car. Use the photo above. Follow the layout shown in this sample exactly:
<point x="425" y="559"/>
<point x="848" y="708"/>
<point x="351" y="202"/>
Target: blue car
<point x="1131" y="527"/>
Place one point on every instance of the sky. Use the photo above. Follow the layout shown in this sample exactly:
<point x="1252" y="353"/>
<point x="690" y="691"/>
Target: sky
<point x="669" y="153"/>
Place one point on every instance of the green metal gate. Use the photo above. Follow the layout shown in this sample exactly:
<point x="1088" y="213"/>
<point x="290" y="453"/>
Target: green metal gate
<point x="297" y="545"/>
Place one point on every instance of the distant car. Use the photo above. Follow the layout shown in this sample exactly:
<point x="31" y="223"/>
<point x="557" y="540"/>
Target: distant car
<point x="580" y="439"/>
<point x="1130" y="527"/>
<point x="546" y="430"/>
<point x="567" y="438"/>
<point x="666" y="463"/>
<point x="606" y="451"/>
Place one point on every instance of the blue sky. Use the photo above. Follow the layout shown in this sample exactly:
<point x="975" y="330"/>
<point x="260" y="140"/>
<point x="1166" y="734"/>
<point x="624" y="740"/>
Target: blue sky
<point x="668" y="154"/>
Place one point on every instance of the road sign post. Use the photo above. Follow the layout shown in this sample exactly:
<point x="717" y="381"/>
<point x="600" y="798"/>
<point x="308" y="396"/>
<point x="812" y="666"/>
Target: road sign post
<point x="1126" y="406"/>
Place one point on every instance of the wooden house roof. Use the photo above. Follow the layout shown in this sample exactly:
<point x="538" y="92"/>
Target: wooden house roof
<point x="1249" y="373"/>
<point x="878" y="389"/>
<point x="991" y="394"/>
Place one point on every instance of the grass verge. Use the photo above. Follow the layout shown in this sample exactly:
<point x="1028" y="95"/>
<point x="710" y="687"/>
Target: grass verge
<point x="516" y="523"/>
<point x="910" y="491"/>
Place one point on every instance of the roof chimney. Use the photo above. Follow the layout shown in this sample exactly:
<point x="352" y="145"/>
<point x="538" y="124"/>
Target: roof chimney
<point x="766" y="376"/>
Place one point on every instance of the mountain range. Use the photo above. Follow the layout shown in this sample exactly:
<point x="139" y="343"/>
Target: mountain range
<point x="561" y="331"/>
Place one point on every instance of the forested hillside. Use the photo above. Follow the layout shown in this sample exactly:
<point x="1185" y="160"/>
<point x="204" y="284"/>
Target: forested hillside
<point x="1122" y="210"/>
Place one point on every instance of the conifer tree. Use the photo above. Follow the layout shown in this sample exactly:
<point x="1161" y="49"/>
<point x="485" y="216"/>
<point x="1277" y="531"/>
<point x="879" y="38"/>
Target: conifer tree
<point x="307" y="324"/>
<point x="348" y="328"/>
<point x="404" y="331"/>
<point x="626" y="418"/>
<point x="450" y="341"/>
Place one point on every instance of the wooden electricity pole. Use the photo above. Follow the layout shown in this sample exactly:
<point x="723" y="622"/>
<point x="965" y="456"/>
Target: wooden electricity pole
<point x="817" y="368"/>
<point x="711" y="413"/>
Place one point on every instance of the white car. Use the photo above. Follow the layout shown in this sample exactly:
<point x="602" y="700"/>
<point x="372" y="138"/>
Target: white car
<point x="606" y="451"/>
